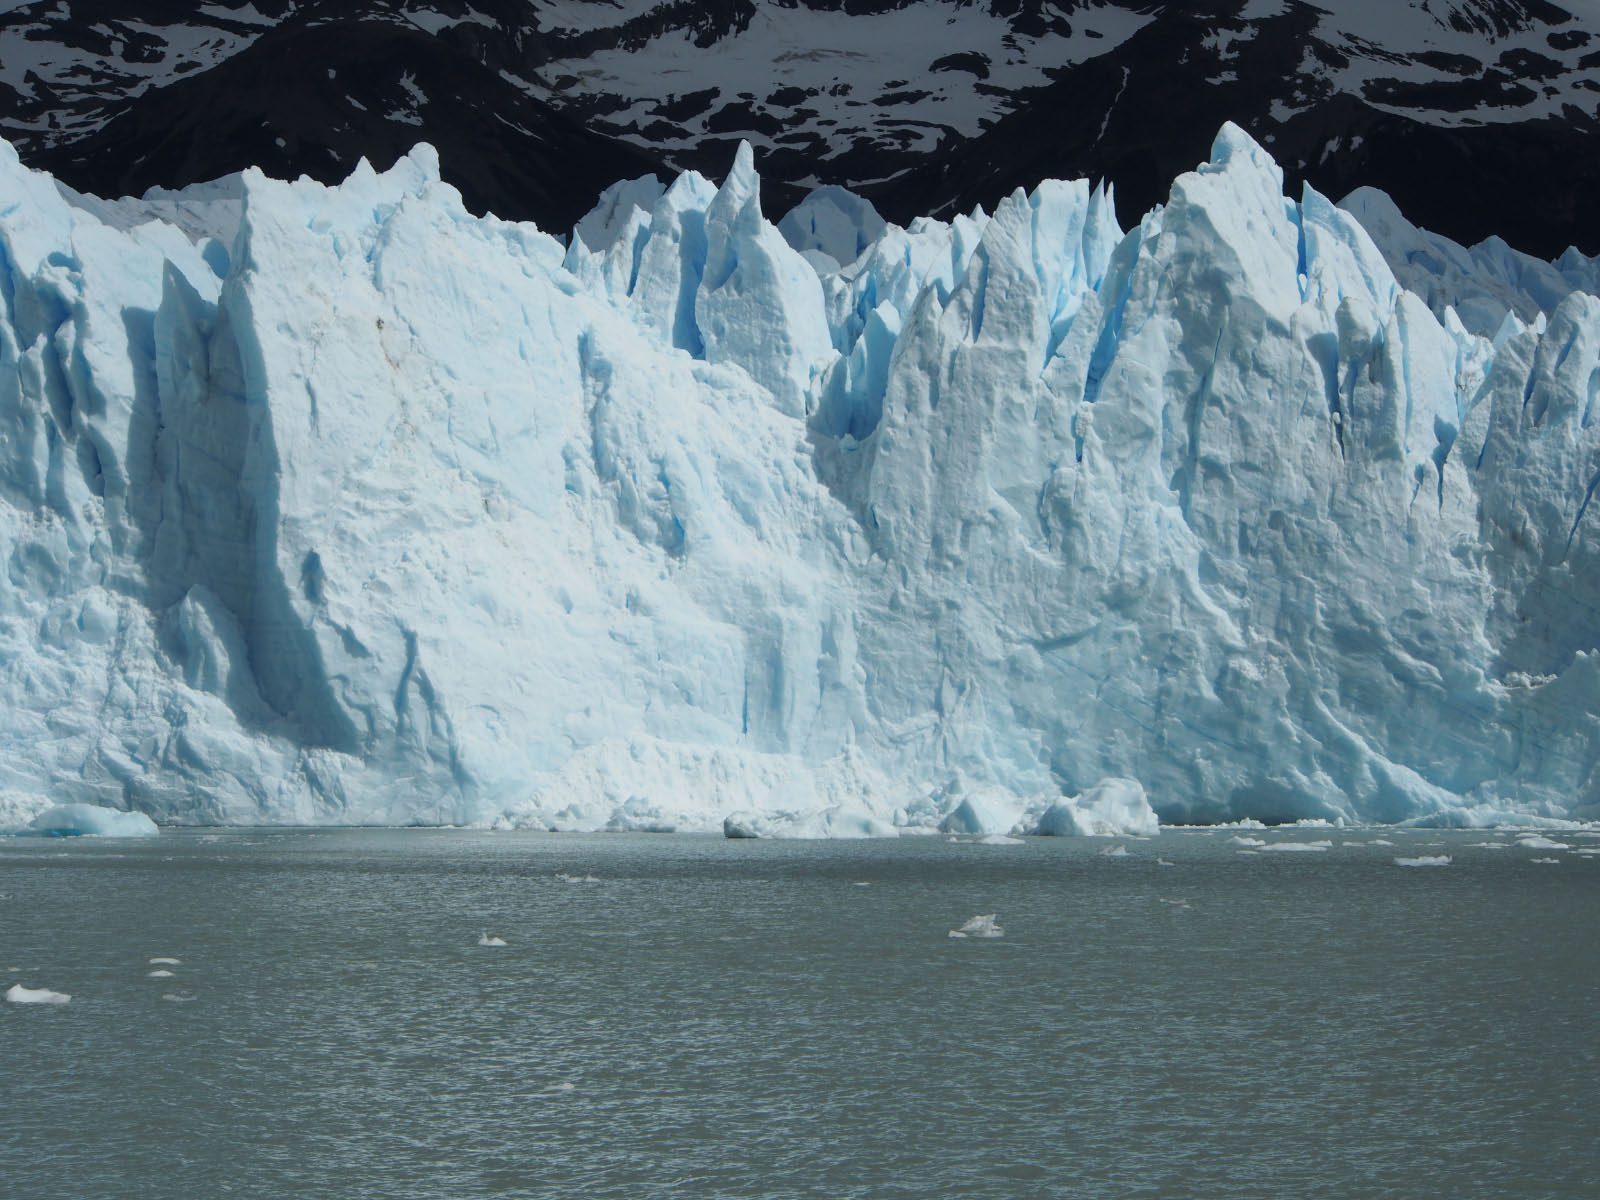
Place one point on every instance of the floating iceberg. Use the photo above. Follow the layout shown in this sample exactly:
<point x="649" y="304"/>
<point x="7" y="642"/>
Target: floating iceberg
<point x="1293" y="848"/>
<point x="1424" y="860"/>
<point x="339" y="504"/>
<point x="982" y="926"/>
<point x="1539" y="842"/>
<point x="91" y="820"/>
<point x="17" y="994"/>
<point x="485" y="940"/>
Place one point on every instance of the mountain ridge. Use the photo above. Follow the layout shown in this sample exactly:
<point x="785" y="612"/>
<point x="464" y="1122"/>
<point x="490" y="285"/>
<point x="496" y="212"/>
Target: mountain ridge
<point x="920" y="105"/>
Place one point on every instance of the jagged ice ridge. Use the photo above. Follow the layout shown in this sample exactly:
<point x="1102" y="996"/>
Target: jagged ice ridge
<point x="344" y="505"/>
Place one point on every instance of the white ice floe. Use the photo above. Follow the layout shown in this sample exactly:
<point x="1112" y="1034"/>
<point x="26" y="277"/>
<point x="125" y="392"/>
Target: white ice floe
<point x="165" y="962"/>
<point x="485" y="940"/>
<point x="158" y="974"/>
<point x="982" y="926"/>
<point x="18" y="994"/>
<point x="1550" y="861"/>
<point x="1536" y="842"/>
<point x="1294" y="847"/>
<point x="1424" y="860"/>
<point x="1117" y="851"/>
<point x="1240" y="840"/>
<point x="566" y="878"/>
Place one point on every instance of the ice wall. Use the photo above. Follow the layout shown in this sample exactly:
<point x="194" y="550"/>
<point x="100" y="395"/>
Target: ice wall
<point x="340" y="504"/>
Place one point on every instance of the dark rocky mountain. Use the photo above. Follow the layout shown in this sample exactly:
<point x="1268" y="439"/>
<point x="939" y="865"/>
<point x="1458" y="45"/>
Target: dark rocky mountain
<point x="1478" y="116"/>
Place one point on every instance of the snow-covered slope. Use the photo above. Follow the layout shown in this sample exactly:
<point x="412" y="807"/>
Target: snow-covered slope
<point x="377" y="511"/>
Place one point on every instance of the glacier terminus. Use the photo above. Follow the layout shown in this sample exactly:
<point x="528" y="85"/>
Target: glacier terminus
<point x="342" y="505"/>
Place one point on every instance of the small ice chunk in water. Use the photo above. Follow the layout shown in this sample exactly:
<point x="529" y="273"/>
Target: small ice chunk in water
<point x="1117" y="851"/>
<point x="165" y="962"/>
<point x="1240" y="840"/>
<point x="1425" y="860"/>
<point x="999" y="839"/>
<point x="18" y="994"/>
<point x="1301" y="847"/>
<point x="1380" y="842"/>
<point x="1535" y="842"/>
<point x="158" y="974"/>
<point x="176" y="997"/>
<point x="1551" y="861"/>
<point x="982" y="926"/>
<point x="565" y="878"/>
<point x="485" y="940"/>
<point x="1161" y="862"/>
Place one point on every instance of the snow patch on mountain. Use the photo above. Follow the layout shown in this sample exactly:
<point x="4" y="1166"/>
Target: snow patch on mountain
<point x="912" y="71"/>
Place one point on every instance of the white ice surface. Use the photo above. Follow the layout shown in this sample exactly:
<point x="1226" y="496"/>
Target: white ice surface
<point x="17" y="994"/>
<point x="386" y="513"/>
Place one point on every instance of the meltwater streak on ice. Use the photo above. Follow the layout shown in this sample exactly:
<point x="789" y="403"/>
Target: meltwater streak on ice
<point x="740" y="1019"/>
<point x="342" y="505"/>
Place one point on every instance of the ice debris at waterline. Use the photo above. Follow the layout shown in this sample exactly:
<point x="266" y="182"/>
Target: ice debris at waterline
<point x="91" y="820"/>
<point x="485" y="940"/>
<point x="982" y="926"/>
<point x="342" y="505"/>
<point x="17" y="994"/>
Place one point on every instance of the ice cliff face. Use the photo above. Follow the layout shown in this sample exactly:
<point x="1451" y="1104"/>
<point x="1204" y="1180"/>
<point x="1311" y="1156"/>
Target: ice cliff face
<point x="340" y="504"/>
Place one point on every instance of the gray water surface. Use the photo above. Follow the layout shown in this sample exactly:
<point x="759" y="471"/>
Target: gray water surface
<point x="705" y="1018"/>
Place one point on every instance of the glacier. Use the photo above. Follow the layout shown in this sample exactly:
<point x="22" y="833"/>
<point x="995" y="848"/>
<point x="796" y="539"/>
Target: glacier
<point x="343" y="505"/>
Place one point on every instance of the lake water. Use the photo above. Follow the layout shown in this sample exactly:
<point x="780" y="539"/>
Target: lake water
<point x="678" y="1016"/>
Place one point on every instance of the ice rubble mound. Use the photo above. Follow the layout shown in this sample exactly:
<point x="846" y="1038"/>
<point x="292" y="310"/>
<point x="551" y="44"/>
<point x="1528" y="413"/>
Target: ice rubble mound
<point x="343" y="505"/>
<point x="91" y="820"/>
<point x="1112" y="808"/>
